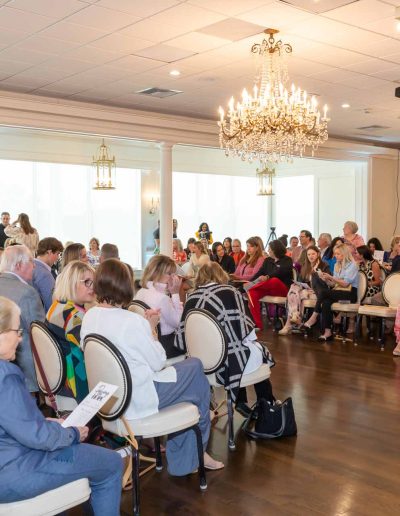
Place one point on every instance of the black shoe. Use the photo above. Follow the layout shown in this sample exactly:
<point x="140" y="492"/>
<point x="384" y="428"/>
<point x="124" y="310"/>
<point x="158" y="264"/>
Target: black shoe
<point x="243" y="409"/>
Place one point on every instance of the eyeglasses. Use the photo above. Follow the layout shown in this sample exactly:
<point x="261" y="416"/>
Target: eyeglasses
<point x="20" y="331"/>
<point x="88" y="282"/>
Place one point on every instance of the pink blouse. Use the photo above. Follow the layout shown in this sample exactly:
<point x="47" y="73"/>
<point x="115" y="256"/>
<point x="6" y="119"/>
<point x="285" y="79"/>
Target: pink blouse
<point x="246" y="272"/>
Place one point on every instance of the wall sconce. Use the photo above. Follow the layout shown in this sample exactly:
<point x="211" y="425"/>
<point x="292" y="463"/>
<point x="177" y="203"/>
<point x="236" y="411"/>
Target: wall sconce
<point x="264" y="177"/>
<point x="154" y="206"/>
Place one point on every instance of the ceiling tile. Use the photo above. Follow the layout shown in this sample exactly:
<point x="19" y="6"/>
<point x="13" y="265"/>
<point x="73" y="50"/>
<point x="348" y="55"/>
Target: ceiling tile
<point x="24" y="55"/>
<point x="366" y="83"/>
<point x="13" y="67"/>
<point x="119" y="43"/>
<point x="92" y="55"/>
<point x="27" y="82"/>
<point x="44" y="72"/>
<point x="139" y="7"/>
<point x="363" y="11"/>
<point x="153" y="30"/>
<point x="40" y="43"/>
<point x="52" y="8"/>
<point x="230" y="7"/>
<point x="372" y="66"/>
<point x="232" y="29"/>
<point x="337" y="75"/>
<point x="197" y="42"/>
<point x="22" y="20"/>
<point x="385" y="47"/>
<point x="103" y="19"/>
<point x="188" y="16"/>
<point x="71" y="32"/>
<point x="9" y="37"/>
<point x="393" y="74"/>
<point x="136" y="64"/>
<point x="71" y="65"/>
<point x="277" y="15"/>
<point x="165" y="53"/>
<point x="386" y="26"/>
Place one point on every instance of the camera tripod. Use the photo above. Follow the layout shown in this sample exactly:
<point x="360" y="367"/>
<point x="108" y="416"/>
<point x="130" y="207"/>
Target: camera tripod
<point x="272" y="236"/>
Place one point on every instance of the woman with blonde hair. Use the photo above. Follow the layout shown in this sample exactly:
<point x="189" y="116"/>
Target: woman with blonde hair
<point x="251" y="262"/>
<point x="161" y="288"/>
<point x="245" y="354"/>
<point x="199" y="257"/>
<point x="343" y="283"/>
<point x="22" y="232"/>
<point x="74" y="288"/>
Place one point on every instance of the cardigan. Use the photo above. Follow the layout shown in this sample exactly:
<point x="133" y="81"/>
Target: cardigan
<point x="281" y="269"/>
<point x="246" y="272"/>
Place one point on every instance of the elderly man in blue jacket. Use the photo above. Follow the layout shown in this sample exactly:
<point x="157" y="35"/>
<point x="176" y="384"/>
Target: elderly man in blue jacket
<point x="16" y="269"/>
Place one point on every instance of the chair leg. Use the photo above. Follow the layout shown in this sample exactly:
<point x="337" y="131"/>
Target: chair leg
<point x="344" y="328"/>
<point x="369" y="328"/>
<point x="231" y="440"/>
<point x="135" y="475"/>
<point x="200" y="451"/>
<point x="382" y="333"/>
<point x="357" y="329"/>
<point x="159" y="464"/>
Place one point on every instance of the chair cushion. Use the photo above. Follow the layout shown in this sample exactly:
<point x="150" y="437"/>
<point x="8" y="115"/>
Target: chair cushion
<point x="345" y="307"/>
<point x="52" y="502"/>
<point x="377" y="311"/>
<point x="274" y="300"/>
<point x="262" y="373"/>
<point x="166" y="421"/>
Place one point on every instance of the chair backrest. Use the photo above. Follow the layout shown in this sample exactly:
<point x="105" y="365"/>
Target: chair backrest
<point x="205" y="339"/>
<point x="294" y="274"/>
<point x="362" y="286"/>
<point x="138" y="307"/>
<point x="382" y="274"/>
<point x="391" y="289"/>
<point x="51" y="357"/>
<point x="104" y="363"/>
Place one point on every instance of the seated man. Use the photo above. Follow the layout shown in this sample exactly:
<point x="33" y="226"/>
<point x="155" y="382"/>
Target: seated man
<point x="109" y="251"/>
<point x="43" y="281"/>
<point x="16" y="270"/>
<point x="298" y="254"/>
<point x="324" y="241"/>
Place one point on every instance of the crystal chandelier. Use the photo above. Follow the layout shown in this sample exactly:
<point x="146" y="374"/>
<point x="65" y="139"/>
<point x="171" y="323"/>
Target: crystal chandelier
<point x="104" y="169"/>
<point x="272" y="124"/>
<point x="264" y="178"/>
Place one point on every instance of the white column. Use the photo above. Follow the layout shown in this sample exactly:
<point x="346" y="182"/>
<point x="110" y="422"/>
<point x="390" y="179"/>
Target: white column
<point x="166" y="199"/>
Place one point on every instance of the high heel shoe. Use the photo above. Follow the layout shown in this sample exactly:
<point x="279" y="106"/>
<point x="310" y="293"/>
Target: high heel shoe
<point x="285" y="331"/>
<point x="322" y="338"/>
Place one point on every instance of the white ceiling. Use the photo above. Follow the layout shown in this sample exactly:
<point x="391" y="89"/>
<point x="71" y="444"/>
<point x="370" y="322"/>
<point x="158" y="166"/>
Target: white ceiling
<point x="103" y="51"/>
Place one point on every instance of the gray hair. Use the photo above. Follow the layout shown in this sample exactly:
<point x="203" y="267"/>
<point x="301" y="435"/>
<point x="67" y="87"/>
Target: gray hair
<point x="352" y="225"/>
<point x="13" y="256"/>
<point x="327" y="237"/>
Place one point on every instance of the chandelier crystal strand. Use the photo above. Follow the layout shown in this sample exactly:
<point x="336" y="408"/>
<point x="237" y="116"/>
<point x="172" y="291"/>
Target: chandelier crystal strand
<point x="272" y="123"/>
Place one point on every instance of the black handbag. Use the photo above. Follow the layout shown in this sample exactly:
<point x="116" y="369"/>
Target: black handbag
<point x="271" y="420"/>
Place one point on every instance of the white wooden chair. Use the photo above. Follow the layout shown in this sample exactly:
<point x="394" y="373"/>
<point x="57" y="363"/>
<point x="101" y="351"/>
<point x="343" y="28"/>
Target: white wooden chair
<point x="105" y="363"/>
<point x="277" y="301"/>
<point x="391" y="296"/>
<point x="347" y="309"/>
<point x="52" y="502"/>
<point x="207" y="341"/>
<point x="53" y="362"/>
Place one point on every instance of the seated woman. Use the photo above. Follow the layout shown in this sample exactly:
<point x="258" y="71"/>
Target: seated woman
<point x="329" y="256"/>
<point x="227" y="243"/>
<point x="74" y="252"/>
<point x="190" y="247"/>
<point x="74" y="288"/>
<point x="298" y="293"/>
<point x="94" y="252"/>
<point x="178" y="254"/>
<point x="160" y="279"/>
<point x="352" y="238"/>
<point x="374" y="244"/>
<point x="198" y="258"/>
<point x="38" y="454"/>
<point x="237" y="252"/>
<point x="372" y="270"/>
<point x="274" y="279"/>
<point x="390" y="256"/>
<point x="251" y="261"/>
<point x="245" y="354"/>
<point x="153" y="387"/>
<point x="344" y="283"/>
<point x="293" y="244"/>
<point x="204" y="232"/>
<point x="223" y="259"/>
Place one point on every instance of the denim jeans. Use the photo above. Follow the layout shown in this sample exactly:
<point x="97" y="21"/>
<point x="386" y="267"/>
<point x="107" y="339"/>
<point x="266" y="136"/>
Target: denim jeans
<point x="102" y="467"/>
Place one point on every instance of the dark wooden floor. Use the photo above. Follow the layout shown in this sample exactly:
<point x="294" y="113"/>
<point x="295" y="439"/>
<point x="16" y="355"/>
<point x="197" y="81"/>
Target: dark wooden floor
<point x="344" y="461"/>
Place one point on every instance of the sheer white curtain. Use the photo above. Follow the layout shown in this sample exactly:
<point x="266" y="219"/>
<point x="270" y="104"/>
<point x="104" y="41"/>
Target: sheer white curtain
<point x="60" y="202"/>
<point x="228" y="204"/>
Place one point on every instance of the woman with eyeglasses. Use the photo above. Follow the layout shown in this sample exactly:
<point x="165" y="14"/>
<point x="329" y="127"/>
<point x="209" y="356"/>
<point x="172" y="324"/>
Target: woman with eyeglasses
<point x="38" y="454"/>
<point x="74" y="288"/>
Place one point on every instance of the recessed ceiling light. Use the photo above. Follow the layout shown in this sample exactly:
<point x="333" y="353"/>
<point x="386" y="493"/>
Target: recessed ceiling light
<point x="345" y="106"/>
<point x="175" y="73"/>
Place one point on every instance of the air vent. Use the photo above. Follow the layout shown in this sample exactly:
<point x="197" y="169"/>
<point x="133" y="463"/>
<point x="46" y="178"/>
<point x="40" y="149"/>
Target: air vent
<point x="158" y="92"/>
<point x="372" y="127"/>
<point x="317" y="7"/>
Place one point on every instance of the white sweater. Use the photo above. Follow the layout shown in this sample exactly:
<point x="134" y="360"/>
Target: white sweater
<point x="131" y="334"/>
